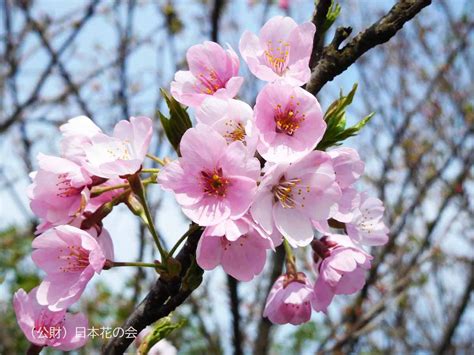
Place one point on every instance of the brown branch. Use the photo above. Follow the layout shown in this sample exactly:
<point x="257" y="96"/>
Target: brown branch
<point x="215" y="17"/>
<point x="456" y="319"/>
<point x="319" y="17"/>
<point x="334" y="61"/>
<point x="38" y="28"/>
<point x="163" y="298"/>
<point x="17" y="113"/>
<point x="262" y="341"/>
<point x="234" y="307"/>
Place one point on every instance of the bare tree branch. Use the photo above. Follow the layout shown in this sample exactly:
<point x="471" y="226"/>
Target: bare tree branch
<point x="234" y="307"/>
<point x="162" y="299"/>
<point x="455" y="320"/>
<point x="334" y="61"/>
<point x="55" y="57"/>
<point x="319" y="17"/>
<point x="262" y="341"/>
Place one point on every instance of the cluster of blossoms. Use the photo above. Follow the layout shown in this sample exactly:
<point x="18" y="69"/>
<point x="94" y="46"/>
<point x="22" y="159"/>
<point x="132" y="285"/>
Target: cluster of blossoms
<point x="254" y="179"/>
<point x="70" y="195"/>
<point x="251" y="178"/>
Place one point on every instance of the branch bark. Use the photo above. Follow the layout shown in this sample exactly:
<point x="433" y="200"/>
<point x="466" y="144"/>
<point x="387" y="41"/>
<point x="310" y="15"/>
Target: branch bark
<point x="455" y="320"/>
<point x="262" y="341"/>
<point x="319" y="17"/>
<point x="162" y="299"/>
<point x="234" y="306"/>
<point x="334" y="61"/>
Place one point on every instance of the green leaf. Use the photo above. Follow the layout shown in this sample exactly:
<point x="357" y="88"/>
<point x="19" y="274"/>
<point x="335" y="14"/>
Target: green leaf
<point x="161" y="330"/>
<point x="335" y="117"/>
<point x="333" y="13"/>
<point x="178" y="122"/>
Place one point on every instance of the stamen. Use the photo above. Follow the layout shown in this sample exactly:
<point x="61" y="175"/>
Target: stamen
<point x="277" y="58"/>
<point x="283" y="192"/>
<point x="214" y="183"/>
<point x="235" y="131"/>
<point x="288" y="120"/>
<point x="76" y="257"/>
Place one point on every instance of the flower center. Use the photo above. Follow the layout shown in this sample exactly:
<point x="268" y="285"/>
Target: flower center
<point x="76" y="258"/>
<point x="283" y="192"/>
<point x="209" y="81"/>
<point x="288" y="120"/>
<point x="277" y="57"/>
<point x="120" y="150"/>
<point x="64" y="188"/>
<point x="214" y="183"/>
<point x="235" y="131"/>
<point x="47" y="327"/>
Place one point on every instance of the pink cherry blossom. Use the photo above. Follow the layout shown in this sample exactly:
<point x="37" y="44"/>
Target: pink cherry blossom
<point x="347" y="166"/>
<point x="367" y="226"/>
<point x="47" y="328"/>
<point x="59" y="191"/>
<point x="70" y="257"/>
<point x="77" y="133"/>
<point x="289" y="300"/>
<point x="120" y="154"/>
<point x="289" y="123"/>
<point x="233" y="229"/>
<point x="341" y="271"/>
<point x="213" y="180"/>
<point x="280" y="52"/>
<point x="233" y="119"/>
<point x="212" y="72"/>
<point x="242" y="258"/>
<point x="290" y="196"/>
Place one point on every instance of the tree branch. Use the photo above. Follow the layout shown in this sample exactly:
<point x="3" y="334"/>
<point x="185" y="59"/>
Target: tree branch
<point x="334" y="61"/>
<point x="262" y="341"/>
<point x="319" y="17"/>
<point x="234" y="306"/>
<point x="455" y="320"/>
<point x="38" y="28"/>
<point x="215" y="17"/>
<point x="162" y="299"/>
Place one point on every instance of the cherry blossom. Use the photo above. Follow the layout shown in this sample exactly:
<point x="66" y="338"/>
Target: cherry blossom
<point x="233" y="119"/>
<point x="212" y="72"/>
<point x="289" y="300"/>
<point x="70" y="257"/>
<point x="212" y="181"/>
<point x="59" y="191"/>
<point x="77" y="133"/>
<point x="121" y="154"/>
<point x="281" y="52"/>
<point x="44" y="327"/>
<point x="367" y="226"/>
<point x="242" y="258"/>
<point x="289" y="123"/>
<point x="290" y="196"/>
<point x="341" y="269"/>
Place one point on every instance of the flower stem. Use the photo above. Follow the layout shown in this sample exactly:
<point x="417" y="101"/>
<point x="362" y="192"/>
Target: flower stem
<point x="152" y="171"/>
<point x="192" y="228"/>
<point x="139" y="264"/>
<point x="158" y="160"/>
<point x="96" y="190"/>
<point x="290" y="258"/>
<point x="137" y="188"/>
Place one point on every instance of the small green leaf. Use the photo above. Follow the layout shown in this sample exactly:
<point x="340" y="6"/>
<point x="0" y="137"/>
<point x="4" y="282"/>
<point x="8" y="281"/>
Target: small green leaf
<point x="335" y="117"/>
<point x="333" y="13"/>
<point x="178" y="122"/>
<point x="193" y="277"/>
<point x="161" y="330"/>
